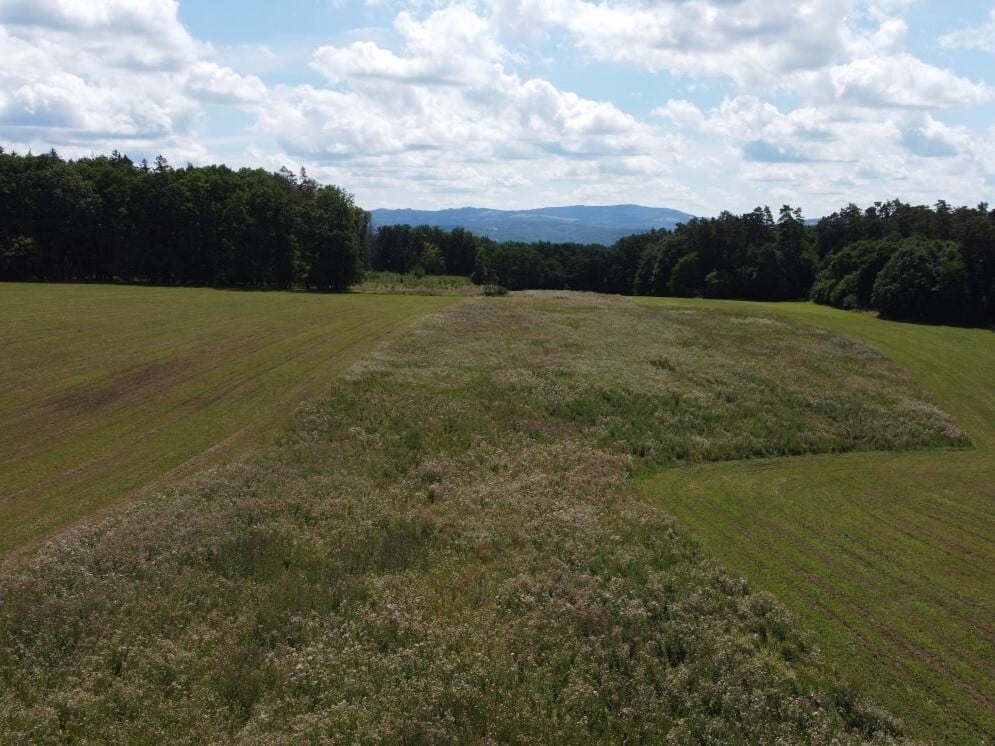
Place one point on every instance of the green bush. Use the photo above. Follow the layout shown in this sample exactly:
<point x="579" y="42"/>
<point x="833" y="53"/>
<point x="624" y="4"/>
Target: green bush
<point x="822" y="288"/>
<point x="844" y="293"/>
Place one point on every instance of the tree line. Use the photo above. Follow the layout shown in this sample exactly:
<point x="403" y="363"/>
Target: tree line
<point x="108" y="218"/>
<point x="745" y="256"/>
<point x="908" y="262"/>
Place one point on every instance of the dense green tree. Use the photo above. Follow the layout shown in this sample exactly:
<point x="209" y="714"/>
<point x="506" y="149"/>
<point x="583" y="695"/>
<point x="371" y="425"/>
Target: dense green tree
<point x="685" y="278"/>
<point x="856" y="265"/>
<point x="330" y="237"/>
<point x="924" y="280"/>
<point x="104" y="218"/>
<point x="518" y="266"/>
<point x="430" y="260"/>
<point x="460" y="250"/>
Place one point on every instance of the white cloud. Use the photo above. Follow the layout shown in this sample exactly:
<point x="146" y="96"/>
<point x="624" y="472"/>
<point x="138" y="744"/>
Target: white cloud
<point x="46" y="89"/>
<point x="209" y="81"/>
<point x="981" y="37"/>
<point x="132" y="34"/>
<point x="855" y="51"/>
<point x="928" y="138"/>
<point x="445" y="107"/>
<point x="475" y="101"/>
<point x="680" y="112"/>
<point x="885" y="36"/>
<point x="902" y="80"/>
<point x="451" y="46"/>
<point x="95" y="75"/>
<point x="753" y="42"/>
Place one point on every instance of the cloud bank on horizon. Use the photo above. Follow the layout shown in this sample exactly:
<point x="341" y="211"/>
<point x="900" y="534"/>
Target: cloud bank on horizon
<point x="700" y="105"/>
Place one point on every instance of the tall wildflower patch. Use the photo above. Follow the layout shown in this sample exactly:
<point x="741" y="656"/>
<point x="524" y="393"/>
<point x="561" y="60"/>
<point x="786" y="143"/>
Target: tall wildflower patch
<point x="447" y="549"/>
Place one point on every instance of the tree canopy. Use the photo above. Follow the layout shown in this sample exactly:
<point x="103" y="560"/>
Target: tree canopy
<point x="106" y="218"/>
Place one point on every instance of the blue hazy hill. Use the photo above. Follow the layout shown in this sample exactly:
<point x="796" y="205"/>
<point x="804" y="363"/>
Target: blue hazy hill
<point x="575" y="223"/>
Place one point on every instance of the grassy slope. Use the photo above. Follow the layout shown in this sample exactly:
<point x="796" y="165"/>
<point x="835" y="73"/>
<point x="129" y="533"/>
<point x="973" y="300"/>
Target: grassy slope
<point x="447" y="549"/>
<point x="887" y="556"/>
<point x="106" y="389"/>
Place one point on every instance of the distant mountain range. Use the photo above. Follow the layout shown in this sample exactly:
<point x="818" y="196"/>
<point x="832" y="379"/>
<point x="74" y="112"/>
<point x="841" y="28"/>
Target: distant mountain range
<point x="574" y="224"/>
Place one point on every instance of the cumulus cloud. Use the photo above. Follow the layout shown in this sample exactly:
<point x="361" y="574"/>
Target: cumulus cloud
<point x="450" y="103"/>
<point x="94" y="75"/>
<point x="451" y="46"/>
<point x="854" y="50"/>
<point x="902" y="80"/>
<point x="447" y="103"/>
<point x="680" y="112"/>
<point x="209" y="81"/>
<point x="47" y="88"/>
<point x="132" y="34"/>
<point x="928" y="138"/>
<point x="753" y="42"/>
<point x="980" y="37"/>
<point x="441" y="99"/>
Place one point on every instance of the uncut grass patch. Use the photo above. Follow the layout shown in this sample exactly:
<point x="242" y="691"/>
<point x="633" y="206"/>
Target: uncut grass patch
<point x="675" y="384"/>
<point x="395" y="282"/>
<point x="435" y="552"/>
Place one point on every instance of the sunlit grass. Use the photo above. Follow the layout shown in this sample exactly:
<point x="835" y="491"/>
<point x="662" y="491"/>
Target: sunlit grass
<point x="107" y="389"/>
<point x="887" y="556"/>
<point x="447" y="548"/>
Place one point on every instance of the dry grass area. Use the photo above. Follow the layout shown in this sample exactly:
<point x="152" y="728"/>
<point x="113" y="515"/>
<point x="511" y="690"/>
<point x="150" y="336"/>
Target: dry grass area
<point x="449" y="549"/>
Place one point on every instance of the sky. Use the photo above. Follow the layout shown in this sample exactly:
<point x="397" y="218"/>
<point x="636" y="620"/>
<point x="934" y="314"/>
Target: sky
<point x="698" y="105"/>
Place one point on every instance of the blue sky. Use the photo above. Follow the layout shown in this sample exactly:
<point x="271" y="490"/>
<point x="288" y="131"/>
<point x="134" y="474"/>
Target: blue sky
<point x="701" y="105"/>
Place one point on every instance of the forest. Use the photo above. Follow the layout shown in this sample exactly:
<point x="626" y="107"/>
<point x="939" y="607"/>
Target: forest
<point x="109" y="219"/>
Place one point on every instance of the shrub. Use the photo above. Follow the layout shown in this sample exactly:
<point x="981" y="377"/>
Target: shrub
<point x="844" y="294"/>
<point x="822" y="289"/>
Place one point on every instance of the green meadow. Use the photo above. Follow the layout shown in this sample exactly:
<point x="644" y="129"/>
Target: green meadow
<point x="887" y="557"/>
<point x="109" y="390"/>
<point x="540" y="518"/>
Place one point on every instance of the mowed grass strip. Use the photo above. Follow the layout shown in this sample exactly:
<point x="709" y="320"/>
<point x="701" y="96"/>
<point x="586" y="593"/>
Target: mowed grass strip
<point x="888" y="556"/>
<point x="107" y="389"/>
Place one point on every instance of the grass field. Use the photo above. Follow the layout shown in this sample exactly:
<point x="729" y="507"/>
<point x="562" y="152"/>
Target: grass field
<point x="447" y="548"/>
<point x="888" y="557"/>
<point x="393" y="282"/>
<point x="109" y="389"/>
